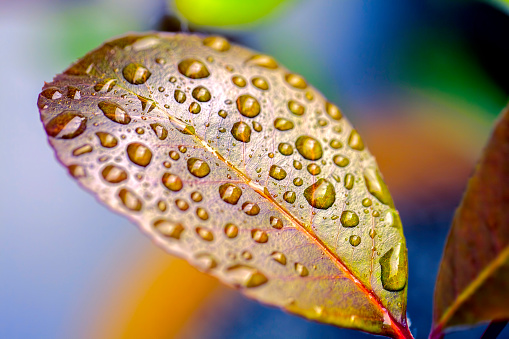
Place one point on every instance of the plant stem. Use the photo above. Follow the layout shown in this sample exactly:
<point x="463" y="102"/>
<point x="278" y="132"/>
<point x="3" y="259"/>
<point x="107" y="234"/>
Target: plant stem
<point x="494" y="329"/>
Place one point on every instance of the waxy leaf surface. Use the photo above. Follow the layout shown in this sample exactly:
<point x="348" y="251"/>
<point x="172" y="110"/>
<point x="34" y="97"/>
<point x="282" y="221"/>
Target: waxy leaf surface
<point x="227" y="159"/>
<point x="473" y="280"/>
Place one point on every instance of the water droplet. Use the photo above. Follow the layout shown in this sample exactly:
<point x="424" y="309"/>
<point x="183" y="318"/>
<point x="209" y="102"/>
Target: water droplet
<point x="289" y="197"/>
<point x="193" y="69"/>
<point x="276" y="223"/>
<point x="77" y="171"/>
<point x="223" y="114"/>
<point x="377" y="187"/>
<point x="393" y="219"/>
<point x="182" y="127"/>
<point x="256" y="126"/>
<point x="206" y="261"/>
<point x="297" y="165"/>
<point x="198" y="167"/>
<point x="168" y="228"/>
<point x="231" y="230"/>
<point x="340" y="160"/>
<point x="277" y="172"/>
<point x="105" y="86"/>
<point x="179" y="96"/>
<point x="130" y="200"/>
<point x="297" y="182"/>
<point x="259" y="236"/>
<point x="333" y="111"/>
<point x="52" y="93"/>
<point x="321" y="194"/>
<point x="279" y="257"/>
<point x="173" y="80"/>
<point x="202" y="94"/>
<point x="136" y="74"/>
<point x="205" y="233"/>
<point x="66" y="125"/>
<point x="355" y="141"/>
<point x="218" y="43"/>
<point x="372" y="233"/>
<point x="140" y="130"/>
<point x="167" y="164"/>
<point x="314" y="169"/>
<point x="147" y="105"/>
<point x="355" y="240"/>
<point x="174" y="155"/>
<point x="260" y="83"/>
<point x="172" y="182"/>
<point x="114" y="112"/>
<point x="366" y="202"/>
<point x="296" y="108"/>
<point x="182" y="204"/>
<point x="160" y="131"/>
<point x="194" y="108"/>
<point x="248" y="106"/>
<point x="349" y="181"/>
<point x="107" y="140"/>
<point x="202" y="213"/>
<point x="246" y="276"/>
<point x="334" y="143"/>
<point x="296" y="81"/>
<point x="262" y="60"/>
<point x="349" y="219"/>
<point x="230" y="193"/>
<point x="87" y="148"/>
<point x="139" y="154"/>
<point x="285" y="148"/>
<point x="309" y="147"/>
<point x="241" y="131"/>
<point x="250" y="208"/>
<point x="393" y="265"/>
<point x="161" y="205"/>
<point x="114" y="174"/>
<point x="283" y="124"/>
<point x="301" y="270"/>
<point x="73" y="93"/>
<point x="196" y="196"/>
<point x="239" y="81"/>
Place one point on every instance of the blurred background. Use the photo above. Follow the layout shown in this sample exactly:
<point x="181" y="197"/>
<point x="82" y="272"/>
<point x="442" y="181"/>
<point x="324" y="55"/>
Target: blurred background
<point x="423" y="82"/>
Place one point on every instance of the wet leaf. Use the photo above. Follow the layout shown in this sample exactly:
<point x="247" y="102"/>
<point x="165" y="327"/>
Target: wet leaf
<point x="473" y="280"/>
<point x="227" y="159"/>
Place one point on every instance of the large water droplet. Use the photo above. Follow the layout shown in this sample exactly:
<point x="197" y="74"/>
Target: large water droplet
<point x="301" y="270"/>
<point x="77" y="171"/>
<point x="285" y="148"/>
<point x="114" y="112"/>
<point x="355" y="240"/>
<point x="241" y="131"/>
<point x="136" y="74"/>
<point x="296" y="108"/>
<point x="139" y="154"/>
<point x="66" y="125"/>
<point x="193" y="69"/>
<point x="262" y="60"/>
<point x="198" y="167"/>
<point x="394" y="269"/>
<point x="168" y="228"/>
<point x="259" y="236"/>
<point x="248" y="106"/>
<point x="321" y="194"/>
<point x="333" y="111"/>
<point x="172" y="182"/>
<point x="160" y="131"/>
<point x="377" y="187"/>
<point x="277" y="172"/>
<point x="349" y="219"/>
<point x="230" y="193"/>
<point x="340" y="160"/>
<point x="279" y="257"/>
<point x="246" y="276"/>
<point x="114" y="174"/>
<point x="130" y="200"/>
<point x="107" y="140"/>
<point x="231" y="230"/>
<point x="309" y="147"/>
<point x="355" y="141"/>
<point x="296" y="81"/>
<point x="282" y="124"/>
<point x="205" y="233"/>
<point x="250" y="208"/>
<point x="218" y="43"/>
<point x="202" y="94"/>
<point x="194" y="108"/>
<point x="179" y="96"/>
<point x="260" y="83"/>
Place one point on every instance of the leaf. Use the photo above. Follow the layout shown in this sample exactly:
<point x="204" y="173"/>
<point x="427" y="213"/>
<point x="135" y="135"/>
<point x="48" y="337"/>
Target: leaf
<point x="225" y="158"/>
<point x="222" y="13"/>
<point x="473" y="280"/>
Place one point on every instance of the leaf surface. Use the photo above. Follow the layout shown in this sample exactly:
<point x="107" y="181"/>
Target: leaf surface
<point x="473" y="280"/>
<point x="225" y="158"/>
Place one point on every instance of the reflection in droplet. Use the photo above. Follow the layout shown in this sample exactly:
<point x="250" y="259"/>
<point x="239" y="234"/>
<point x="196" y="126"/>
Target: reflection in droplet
<point x="136" y="74"/>
<point x="160" y="131"/>
<point x="298" y="181"/>
<point x="377" y="187"/>
<point x="87" y="148"/>
<point x="355" y="141"/>
<point x="314" y="169"/>
<point x="277" y="172"/>
<point x="394" y="269"/>
<point x="179" y="96"/>
<point x="296" y="108"/>
<point x="276" y="223"/>
<point x="296" y="81"/>
<point x="201" y="94"/>
<point x="52" y="93"/>
<point x="355" y="240"/>
<point x="301" y="270"/>
<point x="105" y="86"/>
<point x="239" y="81"/>
<point x="73" y="93"/>
<point x="309" y="147"/>
<point x="196" y="196"/>
<point x="333" y="111"/>
<point x="297" y="165"/>
<point x="282" y="124"/>
<point x="206" y="261"/>
<point x="285" y="148"/>
<point x="260" y="83"/>
<point x="256" y="126"/>
<point x="349" y="181"/>
<point x="248" y="106"/>
<point x="182" y="204"/>
<point x="340" y="160"/>
<point x="77" y="171"/>
<point x="202" y="213"/>
<point x="289" y="197"/>
<point x="218" y="43"/>
<point x="194" y="108"/>
<point x="139" y="154"/>
<point x="262" y="60"/>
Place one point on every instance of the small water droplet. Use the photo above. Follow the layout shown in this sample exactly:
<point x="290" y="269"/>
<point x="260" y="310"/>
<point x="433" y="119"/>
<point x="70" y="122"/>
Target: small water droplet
<point x="260" y="83"/>
<point x="241" y="131"/>
<point x="276" y="223"/>
<point x="297" y="181"/>
<point x="230" y="193"/>
<point x="334" y="143"/>
<point x="296" y="108"/>
<point x="198" y="167"/>
<point x="160" y="131"/>
<point x="205" y="233"/>
<point x="259" y="236"/>
<point x="309" y="147"/>
<point x="239" y="81"/>
<point x="174" y="155"/>
<point x="349" y="219"/>
<point x="314" y="169"/>
<point x="333" y="111"/>
<point x="173" y="80"/>
<point x="279" y="257"/>
<point x="262" y="60"/>
<point x="372" y="233"/>
<point x="73" y="93"/>
<point x="114" y="112"/>
<point x="377" y="187"/>
<point x="277" y="172"/>
<point x="202" y="213"/>
<point x="130" y="200"/>
<point x="282" y="124"/>
<point x="201" y="94"/>
<point x="161" y="205"/>
<point x="250" y="208"/>
<point x="179" y="96"/>
<point x="194" y="108"/>
<point x="297" y="165"/>
<point x="322" y="122"/>
<point x="394" y="265"/>
<point x="206" y="261"/>
<point x="172" y="182"/>
<point x="139" y="130"/>
<point x="139" y="154"/>
<point x="340" y="160"/>
<point x="168" y="228"/>
<point x="366" y="202"/>
<point x="107" y="140"/>
<point x="285" y="148"/>
<point x="114" y="174"/>
<point x="301" y="269"/>
<point x="66" y="125"/>
<point x="218" y="43"/>
<point x="321" y="194"/>
<point x="246" y="255"/>
<point x="223" y="114"/>
<point x="355" y="141"/>
<point x="77" y="171"/>
<point x="193" y="69"/>
<point x="231" y="230"/>
<point x="349" y="181"/>
<point x="289" y="197"/>
<point x="296" y="81"/>
<point x="105" y="86"/>
<point x="182" y="204"/>
<point x="256" y="126"/>
<point x="52" y="93"/>
<point x="87" y="148"/>
<point x="136" y="74"/>
<point x="248" y="106"/>
<point x="147" y="105"/>
<point x="355" y="240"/>
<point x="246" y="276"/>
<point x="182" y="127"/>
<point x="196" y="196"/>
